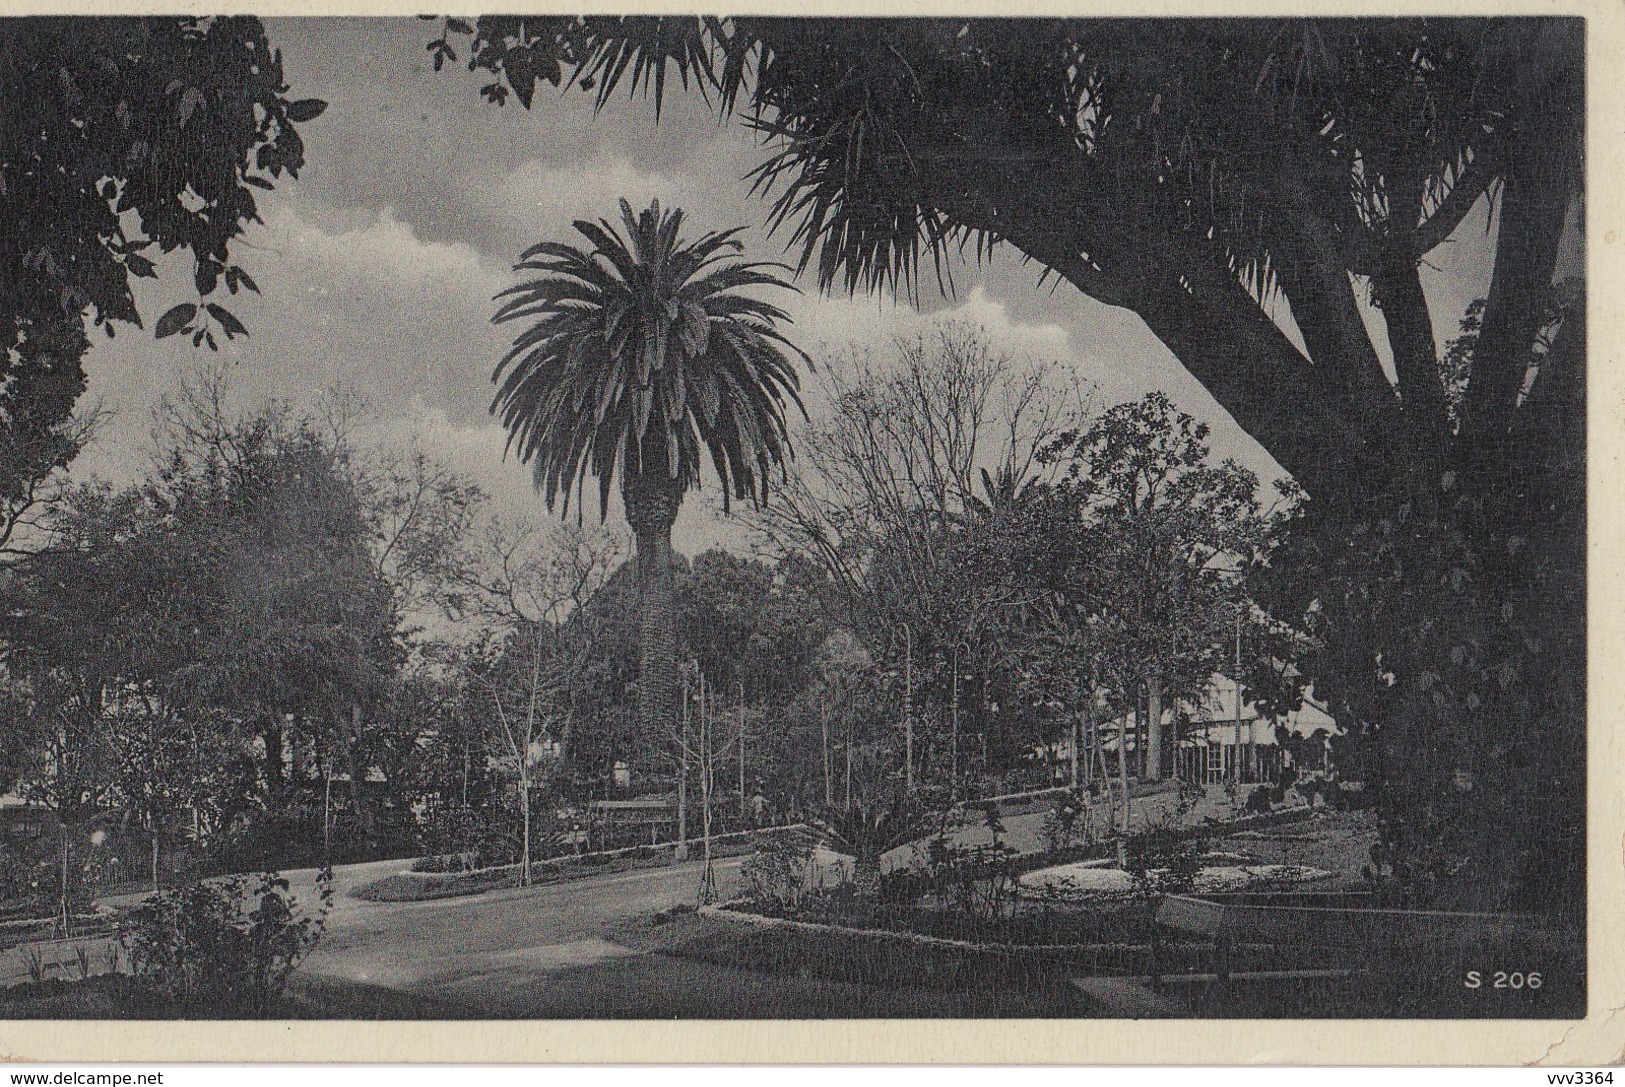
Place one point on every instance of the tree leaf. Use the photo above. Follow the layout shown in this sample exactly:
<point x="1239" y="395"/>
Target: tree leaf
<point x="306" y="109"/>
<point x="520" y="68"/>
<point x="140" y="266"/>
<point x="228" y="321"/>
<point x="175" y="320"/>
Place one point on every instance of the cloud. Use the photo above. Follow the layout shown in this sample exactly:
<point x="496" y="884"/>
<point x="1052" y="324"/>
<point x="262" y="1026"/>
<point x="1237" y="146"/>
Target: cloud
<point x="825" y="325"/>
<point x="372" y="307"/>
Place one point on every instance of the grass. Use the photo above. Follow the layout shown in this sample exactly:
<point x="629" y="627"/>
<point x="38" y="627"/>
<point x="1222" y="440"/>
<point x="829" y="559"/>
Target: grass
<point x="1040" y="949"/>
<point x="985" y="983"/>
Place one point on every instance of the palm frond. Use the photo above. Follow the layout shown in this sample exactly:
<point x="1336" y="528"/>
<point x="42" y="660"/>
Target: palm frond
<point x="642" y="355"/>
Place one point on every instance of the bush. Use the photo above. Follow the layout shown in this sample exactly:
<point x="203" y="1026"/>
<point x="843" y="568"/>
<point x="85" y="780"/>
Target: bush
<point x="201" y="946"/>
<point x="777" y="870"/>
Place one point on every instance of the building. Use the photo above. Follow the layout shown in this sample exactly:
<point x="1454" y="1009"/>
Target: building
<point x="1216" y="741"/>
<point x="1211" y="742"/>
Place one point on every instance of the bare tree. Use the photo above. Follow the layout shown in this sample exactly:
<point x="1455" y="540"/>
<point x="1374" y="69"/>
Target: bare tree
<point x="522" y="583"/>
<point x="421" y="516"/>
<point x="25" y="505"/>
<point x="911" y="446"/>
<point x="915" y="450"/>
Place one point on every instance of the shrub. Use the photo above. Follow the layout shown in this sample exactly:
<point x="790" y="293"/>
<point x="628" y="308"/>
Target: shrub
<point x="777" y="870"/>
<point x="1062" y="829"/>
<point x="976" y="883"/>
<point x="202" y="946"/>
<point x="1162" y="861"/>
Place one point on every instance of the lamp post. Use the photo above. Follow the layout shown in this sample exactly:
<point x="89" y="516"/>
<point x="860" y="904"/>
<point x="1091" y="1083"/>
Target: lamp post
<point x="954" y="729"/>
<point x="1237" y="607"/>
<point x="708" y="876"/>
<point x="908" y="707"/>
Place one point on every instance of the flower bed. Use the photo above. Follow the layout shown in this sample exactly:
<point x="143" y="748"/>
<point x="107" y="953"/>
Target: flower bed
<point x="1091" y="880"/>
<point x="1036" y="953"/>
<point x="418" y="885"/>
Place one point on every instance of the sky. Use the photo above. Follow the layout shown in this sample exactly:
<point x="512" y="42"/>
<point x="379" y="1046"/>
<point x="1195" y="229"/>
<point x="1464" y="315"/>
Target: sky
<point x="377" y="267"/>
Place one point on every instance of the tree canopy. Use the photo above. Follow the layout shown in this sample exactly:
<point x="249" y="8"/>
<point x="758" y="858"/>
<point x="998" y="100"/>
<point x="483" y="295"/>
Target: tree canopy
<point x="1238" y="184"/>
<point x="123" y="140"/>
<point x="1190" y="171"/>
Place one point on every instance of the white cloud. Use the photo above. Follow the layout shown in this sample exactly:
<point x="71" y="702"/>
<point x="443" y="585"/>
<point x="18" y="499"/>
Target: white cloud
<point x="825" y="325"/>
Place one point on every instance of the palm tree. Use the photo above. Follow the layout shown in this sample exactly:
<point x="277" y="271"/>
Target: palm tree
<point x="868" y="831"/>
<point x="639" y="352"/>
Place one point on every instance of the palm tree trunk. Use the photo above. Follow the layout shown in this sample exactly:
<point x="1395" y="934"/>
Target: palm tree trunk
<point x="866" y="874"/>
<point x="651" y="507"/>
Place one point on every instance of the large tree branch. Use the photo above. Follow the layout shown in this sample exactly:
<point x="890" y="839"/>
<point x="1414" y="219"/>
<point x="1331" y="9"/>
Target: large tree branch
<point x="1539" y="179"/>
<point x="1471" y="185"/>
<point x="1329" y="425"/>
<point x="1334" y="450"/>
<point x="1321" y="295"/>
<point x="1416" y="358"/>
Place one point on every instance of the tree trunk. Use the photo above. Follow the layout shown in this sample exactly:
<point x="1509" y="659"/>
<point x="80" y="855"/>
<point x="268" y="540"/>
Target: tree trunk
<point x="1077" y="743"/>
<point x="524" y="849"/>
<point x="651" y="507"/>
<point x="680" y="851"/>
<point x="866" y="874"/>
<point x="829" y="778"/>
<point x="1122" y="780"/>
<point x="1097" y="757"/>
<point x="271" y="736"/>
<point x="357" y="772"/>
<point x="1153" y="729"/>
<point x="67" y="914"/>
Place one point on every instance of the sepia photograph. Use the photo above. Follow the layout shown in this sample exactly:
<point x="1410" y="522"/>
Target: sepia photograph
<point x="687" y="517"/>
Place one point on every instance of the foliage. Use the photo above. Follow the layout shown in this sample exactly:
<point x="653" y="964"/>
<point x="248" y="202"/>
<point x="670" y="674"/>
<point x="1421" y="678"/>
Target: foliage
<point x="1067" y="823"/>
<point x="1133" y="560"/>
<point x="866" y="830"/>
<point x="897" y="498"/>
<point x="777" y="869"/>
<point x="639" y="351"/>
<point x="125" y="139"/>
<point x="1162" y="860"/>
<point x="973" y="882"/>
<point x="1263" y="799"/>
<point x="1214" y="179"/>
<point x="149" y="646"/>
<point x="225" y="945"/>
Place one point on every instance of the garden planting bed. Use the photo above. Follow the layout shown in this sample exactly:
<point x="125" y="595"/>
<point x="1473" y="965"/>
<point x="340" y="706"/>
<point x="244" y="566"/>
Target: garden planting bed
<point x="1090" y="879"/>
<point x="413" y="885"/>
<point x="876" y="958"/>
<point x="912" y="947"/>
<point x="35" y="929"/>
<point x="1041" y="940"/>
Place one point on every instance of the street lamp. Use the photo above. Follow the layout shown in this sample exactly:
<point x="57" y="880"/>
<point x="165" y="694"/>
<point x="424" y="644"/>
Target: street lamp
<point x="1238" y="607"/>
<point x="954" y="732"/>
<point x="908" y="706"/>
